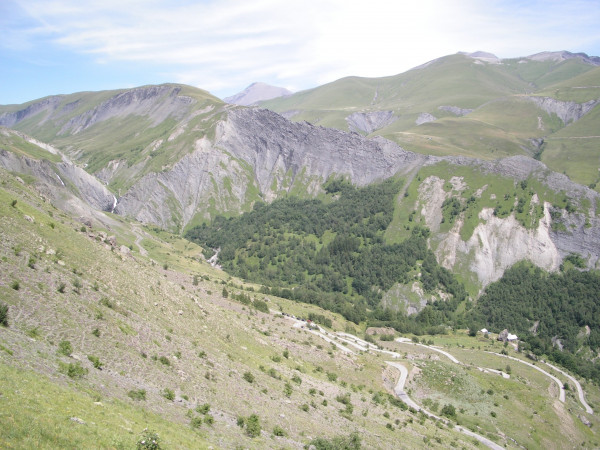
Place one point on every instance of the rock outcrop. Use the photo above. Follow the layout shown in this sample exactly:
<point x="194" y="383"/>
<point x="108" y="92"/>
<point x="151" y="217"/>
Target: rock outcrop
<point x="425" y="118"/>
<point x="456" y="110"/>
<point x="568" y="112"/>
<point x="370" y="121"/>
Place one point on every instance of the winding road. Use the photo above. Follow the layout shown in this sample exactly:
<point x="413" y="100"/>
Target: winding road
<point x="362" y="345"/>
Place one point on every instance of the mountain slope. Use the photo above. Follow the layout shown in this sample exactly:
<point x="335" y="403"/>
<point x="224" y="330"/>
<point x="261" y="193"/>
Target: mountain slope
<point x="239" y="156"/>
<point x="462" y="105"/>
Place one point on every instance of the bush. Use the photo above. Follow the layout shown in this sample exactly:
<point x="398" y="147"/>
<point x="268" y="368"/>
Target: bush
<point x="149" y="440"/>
<point x="248" y="377"/>
<point x="65" y="348"/>
<point x="96" y="362"/>
<point x="164" y="360"/>
<point x="208" y="419"/>
<point x="448" y="411"/>
<point x="196" y="422"/>
<point x="278" y="431"/>
<point x="261" y="306"/>
<point x="72" y="370"/>
<point x="168" y="394"/>
<point x="3" y="314"/>
<point x="253" y="427"/>
<point x="203" y="409"/>
<point x="61" y="287"/>
<point x="351" y="442"/>
<point x="137" y="394"/>
<point x="15" y="285"/>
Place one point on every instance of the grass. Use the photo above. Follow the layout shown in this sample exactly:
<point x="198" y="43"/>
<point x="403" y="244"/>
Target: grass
<point x="40" y="413"/>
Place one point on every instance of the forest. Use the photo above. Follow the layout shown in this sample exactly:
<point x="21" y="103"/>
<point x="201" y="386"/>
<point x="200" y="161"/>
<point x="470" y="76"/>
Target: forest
<point x="331" y="252"/>
<point x="553" y="314"/>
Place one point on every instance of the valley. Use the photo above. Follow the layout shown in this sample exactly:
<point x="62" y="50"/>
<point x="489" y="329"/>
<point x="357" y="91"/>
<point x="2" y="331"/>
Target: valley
<point x="311" y="272"/>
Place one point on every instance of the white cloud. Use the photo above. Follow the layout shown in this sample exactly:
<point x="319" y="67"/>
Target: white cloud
<point x="225" y="45"/>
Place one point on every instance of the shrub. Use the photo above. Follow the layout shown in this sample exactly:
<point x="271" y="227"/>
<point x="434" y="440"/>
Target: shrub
<point x="286" y="353"/>
<point x="15" y="285"/>
<point x="168" y="394"/>
<point x="287" y="389"/>
<point x="296" y="379"/>
<point x="352" y="442"/>
<point x="196" y="422"/>
<point x="448" y="411"/>
<point x="331" y="376"/>
<point x="164" y="360"/>
<point x="61" y="287"/>
<point x="241" y="421"/>
<point x="95" y="361"/>
<point x="137" y="394"/>
<point x="253" y="427"/>
<point x="72" y="370"/>
<point x="261" y="306"/>
<point x="305" y="407"/>
<point x="31" y="262"/>
<point x="278" y="431"/>
<point x="3" y="314"/>
<point x="149" y="440"/>
<point x="13" y="203"/>
<point x="248" y="377"/>
<point x="208" y="419"/>
<point x="65" y="348"/>
<point x="96" y="332"/>
<point x="203" y="409"/>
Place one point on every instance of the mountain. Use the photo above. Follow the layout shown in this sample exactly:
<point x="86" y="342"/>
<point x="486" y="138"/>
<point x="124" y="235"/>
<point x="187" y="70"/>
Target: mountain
<point x="257" y="92"/>
<point x="116" y="335"/>
<point x="473" y="105"/>
<point x="176" y="157"/>
<point x="223" y="276"/>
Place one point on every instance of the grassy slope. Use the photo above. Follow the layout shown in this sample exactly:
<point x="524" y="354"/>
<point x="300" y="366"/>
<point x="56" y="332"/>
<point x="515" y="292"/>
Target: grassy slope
<point x="501" y="126"/>
<point x="140" y="308"/>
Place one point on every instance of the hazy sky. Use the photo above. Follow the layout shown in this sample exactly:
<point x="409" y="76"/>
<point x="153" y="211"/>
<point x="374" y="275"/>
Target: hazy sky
<point x="64" y="46"/>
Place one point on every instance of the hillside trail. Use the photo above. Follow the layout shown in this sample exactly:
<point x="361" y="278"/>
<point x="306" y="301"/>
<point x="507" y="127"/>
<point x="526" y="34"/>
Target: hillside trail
<point x="399" y="388"/>
<point x="138" y="240"/>
<point x="363" y="345"/>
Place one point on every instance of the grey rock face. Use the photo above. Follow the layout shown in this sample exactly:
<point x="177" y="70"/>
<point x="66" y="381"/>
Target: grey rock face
<point x="566" y="111"/>
<point x="456" y="110"/>
<point x="48" y="104"/>
<point x="371" y="121"/>
<point x="259" y="149"/>
<point x="425" y="118"/>
<point x="156" y="102"/>
<point x="61" y="176"/>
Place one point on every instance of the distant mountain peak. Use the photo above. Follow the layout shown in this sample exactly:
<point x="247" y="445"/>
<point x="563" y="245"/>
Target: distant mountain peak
<point x="257" y="92"/>
<point x="563" y="56"/>
<point x="483" y="56"/>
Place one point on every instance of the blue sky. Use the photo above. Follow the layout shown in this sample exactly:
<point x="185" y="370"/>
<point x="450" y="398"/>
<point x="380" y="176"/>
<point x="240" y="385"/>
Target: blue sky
<point x="62" y="46"/>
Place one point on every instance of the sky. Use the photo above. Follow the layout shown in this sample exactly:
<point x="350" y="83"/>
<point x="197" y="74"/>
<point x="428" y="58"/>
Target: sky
<point x="50" y="47"/>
